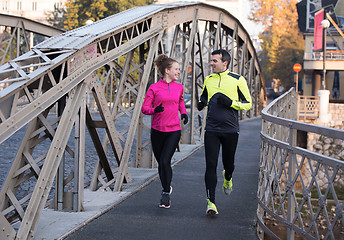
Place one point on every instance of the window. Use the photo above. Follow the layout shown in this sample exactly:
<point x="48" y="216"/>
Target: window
<point x="308" y="79"/>
<point x="34" y="6"/>
<point x="19" y="5"/>
<point x="178" y="48"/>
<point x="4" y="5"/>
<point x="57" y="5"/>
<point x="329" y="46"/>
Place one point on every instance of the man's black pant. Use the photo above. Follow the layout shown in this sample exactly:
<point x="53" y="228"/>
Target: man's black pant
<point x="212" y="142"/>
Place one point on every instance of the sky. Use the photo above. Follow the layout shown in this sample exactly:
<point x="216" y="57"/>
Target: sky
<point x="252" y="28"/>
<point x="238" y="8"/>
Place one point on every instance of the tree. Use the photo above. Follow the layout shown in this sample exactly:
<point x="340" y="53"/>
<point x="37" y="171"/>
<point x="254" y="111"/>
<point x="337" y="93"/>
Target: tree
<point x="79" y="11"/>
<point x="57" y="17"/>
<point x="283" y="43"/>
<point x="91" y="10"/>
<point x="71" y="15"/>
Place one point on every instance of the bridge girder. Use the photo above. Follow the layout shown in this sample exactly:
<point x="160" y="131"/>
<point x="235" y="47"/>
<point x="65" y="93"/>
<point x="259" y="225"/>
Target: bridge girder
<point x="17" y="36"/>
<point x="105" y="67"/>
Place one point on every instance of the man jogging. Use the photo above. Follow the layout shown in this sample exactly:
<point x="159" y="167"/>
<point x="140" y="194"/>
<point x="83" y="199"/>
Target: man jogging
<point x="224" y="93"/>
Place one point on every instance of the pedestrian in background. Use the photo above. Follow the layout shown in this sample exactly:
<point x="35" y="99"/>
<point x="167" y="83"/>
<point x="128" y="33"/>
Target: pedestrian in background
<point x="224" y="93"/>
<point x="164" y="100"/>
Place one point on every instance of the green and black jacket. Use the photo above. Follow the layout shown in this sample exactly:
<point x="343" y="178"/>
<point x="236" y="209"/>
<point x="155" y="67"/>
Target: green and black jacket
<point x="222" y="118"/>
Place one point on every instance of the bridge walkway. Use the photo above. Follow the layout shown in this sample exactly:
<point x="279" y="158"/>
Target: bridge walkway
<point x="139" y="216"/>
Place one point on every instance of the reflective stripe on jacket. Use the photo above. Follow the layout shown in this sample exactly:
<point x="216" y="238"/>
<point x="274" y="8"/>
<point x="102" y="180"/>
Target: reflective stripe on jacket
<point x="170" y="95"/>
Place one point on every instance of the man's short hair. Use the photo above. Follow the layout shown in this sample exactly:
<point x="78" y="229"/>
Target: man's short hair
<point x="225" y="56"/>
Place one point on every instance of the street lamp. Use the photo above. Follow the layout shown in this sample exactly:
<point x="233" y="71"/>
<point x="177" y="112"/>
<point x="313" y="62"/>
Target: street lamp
<point x="89" y="21"/>
<point x="324" y="24"/>
<point x="323" y="93"/>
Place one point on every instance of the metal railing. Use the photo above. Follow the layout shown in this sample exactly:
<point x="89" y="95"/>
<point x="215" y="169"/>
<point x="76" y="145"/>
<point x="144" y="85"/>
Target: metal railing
<point x="330" y="55"/>
<point x="308" y="107"/>
<point x="299" y="190"/>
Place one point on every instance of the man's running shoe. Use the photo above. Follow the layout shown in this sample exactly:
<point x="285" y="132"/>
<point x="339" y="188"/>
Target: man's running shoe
<point x="165" y="201"/>
<point x="211" y="208"/>
<point x="227" y="185"/>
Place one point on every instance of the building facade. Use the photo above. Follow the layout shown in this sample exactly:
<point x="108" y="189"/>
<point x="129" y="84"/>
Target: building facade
<point x="314" y="61"/>
<point x="37" y="10"/>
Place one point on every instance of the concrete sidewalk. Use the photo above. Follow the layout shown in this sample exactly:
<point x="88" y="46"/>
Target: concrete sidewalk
<point x="108" y="216"/>
<point x="57" y="225"/>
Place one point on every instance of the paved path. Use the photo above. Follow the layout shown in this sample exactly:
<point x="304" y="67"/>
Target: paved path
<point x="139" y="216"/>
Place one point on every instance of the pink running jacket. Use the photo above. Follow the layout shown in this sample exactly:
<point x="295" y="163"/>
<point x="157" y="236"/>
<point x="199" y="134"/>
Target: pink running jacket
<point x="171" y="97"/>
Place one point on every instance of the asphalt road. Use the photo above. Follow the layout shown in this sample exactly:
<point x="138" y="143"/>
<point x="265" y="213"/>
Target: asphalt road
<point x="139" y="217"/>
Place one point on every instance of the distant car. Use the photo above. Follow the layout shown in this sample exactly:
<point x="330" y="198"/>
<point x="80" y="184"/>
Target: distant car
<point x="187" y="100"/>
<point x="271" y="94"/>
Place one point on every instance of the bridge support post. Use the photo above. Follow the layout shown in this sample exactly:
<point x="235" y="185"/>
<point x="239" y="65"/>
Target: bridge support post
<point x="290" y="186"/>
<point x="323" y="105"/>
<point x="140" y="96"/>
<point x="187" y="136"/>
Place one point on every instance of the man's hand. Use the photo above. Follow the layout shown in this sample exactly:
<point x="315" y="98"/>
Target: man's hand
<point x="159" y="108"/>
<point x="200" y="105"/>
<point x="225" y="101"/>
<point x="185" y="118"/>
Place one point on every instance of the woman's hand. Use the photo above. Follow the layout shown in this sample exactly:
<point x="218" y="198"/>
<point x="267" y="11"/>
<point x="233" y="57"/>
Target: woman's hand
<point x="185" y="118"/>
<point x="159" y="108"/>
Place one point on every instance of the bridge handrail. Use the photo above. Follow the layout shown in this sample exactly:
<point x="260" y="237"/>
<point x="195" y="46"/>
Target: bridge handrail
<point x="292" y="188"/>
<point x="308" y="107"/>
<point x="330" y="55"/>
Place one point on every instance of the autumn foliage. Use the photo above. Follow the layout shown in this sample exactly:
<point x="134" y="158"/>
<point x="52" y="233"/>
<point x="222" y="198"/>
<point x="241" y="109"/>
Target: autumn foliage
<point x="283" y="43"/>
<point x="79" y="11"/>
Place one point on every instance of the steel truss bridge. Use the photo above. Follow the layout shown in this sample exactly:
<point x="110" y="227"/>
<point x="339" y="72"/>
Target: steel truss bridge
<point x="47" y="92"/>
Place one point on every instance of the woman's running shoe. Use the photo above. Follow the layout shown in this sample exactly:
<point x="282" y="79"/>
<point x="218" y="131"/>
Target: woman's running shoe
<point x="165" y="201"/>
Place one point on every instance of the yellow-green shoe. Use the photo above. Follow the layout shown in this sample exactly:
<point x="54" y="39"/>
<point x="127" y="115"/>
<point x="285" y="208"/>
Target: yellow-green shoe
<point x="211" y="208"/>
<point x="227" y="185"/>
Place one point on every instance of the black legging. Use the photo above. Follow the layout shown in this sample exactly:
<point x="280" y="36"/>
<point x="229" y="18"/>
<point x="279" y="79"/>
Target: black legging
<point x="212" y="142"/>
<point x="164" y="145"/>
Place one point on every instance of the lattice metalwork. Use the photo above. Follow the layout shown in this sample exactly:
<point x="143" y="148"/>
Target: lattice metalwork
<point x="92" y="81"/>
<point x="300" y="189"/>
<point x="18" y="35"/>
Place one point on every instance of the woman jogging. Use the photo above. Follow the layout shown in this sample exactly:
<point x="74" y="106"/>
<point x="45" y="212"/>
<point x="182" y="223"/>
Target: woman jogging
<point x="164" y="100"/>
